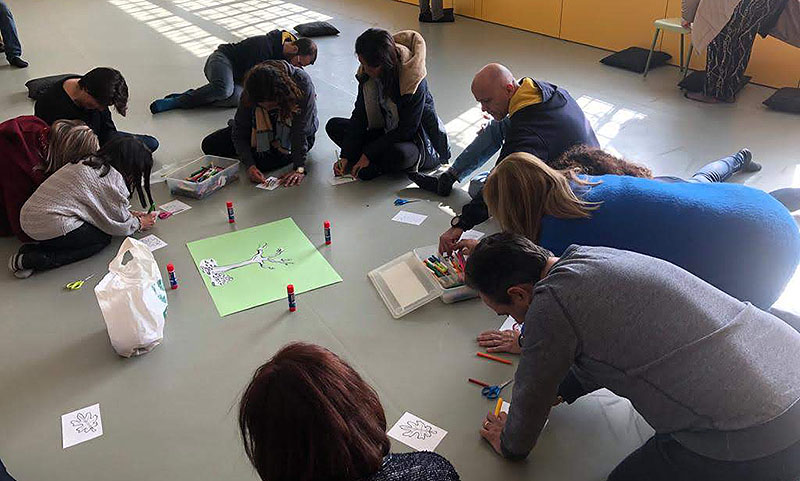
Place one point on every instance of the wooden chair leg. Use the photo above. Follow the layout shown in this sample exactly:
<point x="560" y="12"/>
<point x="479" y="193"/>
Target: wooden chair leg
<point x="650" y="55"/>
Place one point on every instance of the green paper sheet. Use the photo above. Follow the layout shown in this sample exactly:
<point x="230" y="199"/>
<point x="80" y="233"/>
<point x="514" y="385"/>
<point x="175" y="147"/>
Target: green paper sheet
<point x="239" y="276"/>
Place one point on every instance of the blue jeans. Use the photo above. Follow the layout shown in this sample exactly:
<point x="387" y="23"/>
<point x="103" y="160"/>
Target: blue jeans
<point x="221" y="89"/>
<point x="148" y="140"/>
<point x="719" y="170"/>
<point x="8" y="29"/>
<point x="486" y="144"/>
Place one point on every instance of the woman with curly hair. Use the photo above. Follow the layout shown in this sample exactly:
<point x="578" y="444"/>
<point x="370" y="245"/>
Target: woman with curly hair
<point x="30" y="151"/>
<point x="275" y="124"/>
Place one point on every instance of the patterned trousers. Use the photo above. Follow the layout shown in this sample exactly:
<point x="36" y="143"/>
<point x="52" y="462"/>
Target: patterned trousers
<point x="729" y="52"/>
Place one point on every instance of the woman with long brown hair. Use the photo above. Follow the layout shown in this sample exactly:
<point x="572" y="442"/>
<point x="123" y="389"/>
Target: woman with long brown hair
<point x="30" y="151"/>
<point x="275" y="124"/>
<point x="739" y="239"/>
<point x="308" y="416"/>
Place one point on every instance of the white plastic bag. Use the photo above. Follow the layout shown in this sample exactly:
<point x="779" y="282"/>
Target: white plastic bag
<point x="133" y="300"/>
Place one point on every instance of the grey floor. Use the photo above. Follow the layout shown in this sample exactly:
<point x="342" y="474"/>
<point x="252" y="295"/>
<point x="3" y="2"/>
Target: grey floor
<point x="171" y="414"/>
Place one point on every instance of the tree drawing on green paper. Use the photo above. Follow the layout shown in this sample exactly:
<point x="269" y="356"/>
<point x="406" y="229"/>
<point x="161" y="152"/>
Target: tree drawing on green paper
<point x="417" y="429"/>
<point x="219" y="276"/>
<point x="85" y="422"/>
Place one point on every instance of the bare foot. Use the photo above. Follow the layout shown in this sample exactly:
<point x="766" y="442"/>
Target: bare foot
<point x="701" y="97"/>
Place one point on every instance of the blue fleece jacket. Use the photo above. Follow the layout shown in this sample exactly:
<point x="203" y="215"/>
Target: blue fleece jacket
<point x="739" y="239"/>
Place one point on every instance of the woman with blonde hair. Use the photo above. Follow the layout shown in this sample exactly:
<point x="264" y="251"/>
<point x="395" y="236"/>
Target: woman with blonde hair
<point x="30" y="151"/>
<point x="739" y="239"/>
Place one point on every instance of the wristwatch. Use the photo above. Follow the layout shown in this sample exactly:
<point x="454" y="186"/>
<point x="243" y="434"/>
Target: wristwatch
<point x="300" y="170"/>
<point x="456" y="222"/>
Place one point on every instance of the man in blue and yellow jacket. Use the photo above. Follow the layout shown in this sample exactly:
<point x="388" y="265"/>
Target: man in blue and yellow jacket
<point x="529" y="116"/>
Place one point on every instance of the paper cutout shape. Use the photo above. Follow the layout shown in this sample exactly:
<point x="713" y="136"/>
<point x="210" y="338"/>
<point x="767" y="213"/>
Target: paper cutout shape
<point x="81" y="426"/>
<point x="153" y="243"/>
<point x="218" y="273"/>
<point x="417" y="433"/>
<point x="174" y="207"/>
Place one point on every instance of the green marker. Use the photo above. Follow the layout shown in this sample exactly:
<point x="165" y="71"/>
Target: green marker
<point x="152" y="208"/>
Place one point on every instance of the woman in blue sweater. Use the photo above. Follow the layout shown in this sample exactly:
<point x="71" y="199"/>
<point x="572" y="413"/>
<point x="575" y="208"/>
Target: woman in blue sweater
<point x="739" y="239"/>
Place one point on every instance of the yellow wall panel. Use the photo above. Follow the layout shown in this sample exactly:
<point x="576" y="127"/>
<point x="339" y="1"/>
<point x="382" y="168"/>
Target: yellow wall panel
<point x="611" y="24"/>
<point x="540" y="16"/>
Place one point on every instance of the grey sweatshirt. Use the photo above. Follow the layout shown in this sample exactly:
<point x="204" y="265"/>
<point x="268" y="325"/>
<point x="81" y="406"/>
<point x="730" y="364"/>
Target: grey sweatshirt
<point x="75" y="194"/>
<point x="719" y="375"/>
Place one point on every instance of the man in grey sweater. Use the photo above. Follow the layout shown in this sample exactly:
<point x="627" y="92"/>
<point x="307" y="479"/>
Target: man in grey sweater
<point x="718" y="379"/>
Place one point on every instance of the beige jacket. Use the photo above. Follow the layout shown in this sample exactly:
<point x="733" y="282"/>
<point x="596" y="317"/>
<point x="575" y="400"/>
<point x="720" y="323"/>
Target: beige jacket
<point x="708" y="17"/>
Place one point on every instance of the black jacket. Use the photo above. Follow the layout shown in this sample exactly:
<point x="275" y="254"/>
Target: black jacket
<point x="55" y="104"/>
<point x="546" y="130"/>
<point x="254" y="50"/>
<point x="304" y="123"/>
<point x="418" y="123"/>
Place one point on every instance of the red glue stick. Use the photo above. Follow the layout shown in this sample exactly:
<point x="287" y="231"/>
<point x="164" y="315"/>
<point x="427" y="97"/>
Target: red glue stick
<point x="292" y="302"/>
<point x="231" y="219"/>
<point x="173" y="281"/>
<point x="327" y="226"/>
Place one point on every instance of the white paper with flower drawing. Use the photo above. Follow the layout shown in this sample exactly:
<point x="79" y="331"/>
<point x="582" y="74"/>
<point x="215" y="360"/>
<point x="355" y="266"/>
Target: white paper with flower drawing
<point x="417" y="433"/>
<point x="81" y="425"/>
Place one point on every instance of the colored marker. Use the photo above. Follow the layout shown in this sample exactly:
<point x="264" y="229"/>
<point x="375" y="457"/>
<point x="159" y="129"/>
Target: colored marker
<point x="327" y="226"/>
<point x="231" y="219"/>
<point x="498" y="406"/>
<point x="493" y="358"/>
<point x="292" y="302"/>
<point x="479" y="383"/>
<point x="173" y="281"/>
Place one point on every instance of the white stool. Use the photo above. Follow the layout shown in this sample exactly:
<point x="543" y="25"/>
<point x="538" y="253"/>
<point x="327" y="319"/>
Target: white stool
<point x="672" y="25"/>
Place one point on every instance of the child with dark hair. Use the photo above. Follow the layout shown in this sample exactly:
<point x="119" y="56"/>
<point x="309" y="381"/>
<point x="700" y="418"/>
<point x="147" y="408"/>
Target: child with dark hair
<point x="307" y="415"/>
<point x="275" y="124"/>
<point x="226" y="67"/>
<point x="87" y="98"/>
<point x="77" y="210"/>
<point x="394" y="126"/>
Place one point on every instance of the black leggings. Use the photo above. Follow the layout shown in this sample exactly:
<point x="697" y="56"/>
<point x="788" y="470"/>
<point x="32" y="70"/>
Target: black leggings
<point x="220" y="143"/>
<point x="400" y="157"/>
<point x="85" y="241"/>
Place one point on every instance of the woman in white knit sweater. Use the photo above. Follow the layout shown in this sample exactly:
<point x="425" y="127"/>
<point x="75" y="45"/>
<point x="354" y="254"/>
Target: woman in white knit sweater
<point x="77" y="210"/>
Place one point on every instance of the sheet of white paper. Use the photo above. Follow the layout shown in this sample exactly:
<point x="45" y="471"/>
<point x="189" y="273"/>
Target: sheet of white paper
<point x="505" y="407"/>
<point x="403" y="284"/>
<point x="174" y="207"/>
<point x="344" y="179"/>
<point x="272" y="183"/>
<point x="81" y="425"/>
<point x="510" y="324"/>
<point x="417" y="433"/>
<point x="409" y="217"/>
<point x="153" y="243"/>
<point x="472" y="234"/>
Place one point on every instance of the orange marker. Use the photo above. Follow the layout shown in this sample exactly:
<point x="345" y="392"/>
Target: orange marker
<point x="479" y="383"/>
<point x="493" y="358"/>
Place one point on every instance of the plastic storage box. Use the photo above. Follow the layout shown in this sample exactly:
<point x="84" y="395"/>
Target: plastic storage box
<point x="405" y="284"/>
<point x="178" y="185"/>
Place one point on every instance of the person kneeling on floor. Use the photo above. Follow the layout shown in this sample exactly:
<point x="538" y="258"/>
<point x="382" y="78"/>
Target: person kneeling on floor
<point x="718" y="379"/>
<point x="77" y="210"/>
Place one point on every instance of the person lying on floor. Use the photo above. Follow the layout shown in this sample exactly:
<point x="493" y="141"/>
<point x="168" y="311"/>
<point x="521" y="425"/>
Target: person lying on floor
<point x="77" y="210"/>
<point x="394" y="126"/>
<point x="529" y="116"/>
<point x="718" y="379"/>
<point x="30" y="151"/>
<point x="226" y="67"/>
<point x="307" y="400"/>
<point x="87" y="98"/>
<point x="739" y="239"/>
<point x="275" y="124"/>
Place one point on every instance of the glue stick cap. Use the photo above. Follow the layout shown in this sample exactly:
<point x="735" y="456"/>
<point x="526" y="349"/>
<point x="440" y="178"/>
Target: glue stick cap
<point x="229" y="204"/>
<point x="290" y="288"/>
<point x="327" y="224"/>
<point x="170" y="267"/>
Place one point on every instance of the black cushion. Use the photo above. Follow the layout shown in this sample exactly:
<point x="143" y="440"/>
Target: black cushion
<point x="695" y="81"/>
<point x="635" y="59"/>
<point x="786" y="99"/>
<point x="316" y="29"/>
<point x="37" y="86"/>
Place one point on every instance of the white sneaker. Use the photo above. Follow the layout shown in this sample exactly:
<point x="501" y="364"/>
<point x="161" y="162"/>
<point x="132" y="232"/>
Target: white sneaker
<point x="14" y="265"/>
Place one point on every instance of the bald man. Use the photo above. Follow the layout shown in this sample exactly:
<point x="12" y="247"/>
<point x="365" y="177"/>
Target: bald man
<point x="529" y="116"/>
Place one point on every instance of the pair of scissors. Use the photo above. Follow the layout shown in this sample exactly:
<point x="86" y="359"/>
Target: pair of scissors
<point x="493" y="392"/>
<point x="404" y="201"/>
<point x="75" y="285"/>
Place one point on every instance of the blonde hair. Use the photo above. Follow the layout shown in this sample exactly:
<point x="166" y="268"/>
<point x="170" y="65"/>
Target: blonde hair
<point x="522" y="189"/>
<point x="69" y="142"/>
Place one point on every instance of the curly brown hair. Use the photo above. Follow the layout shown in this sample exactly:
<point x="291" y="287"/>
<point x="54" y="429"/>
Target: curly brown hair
<point x="595" y="161"/>
<point x="270" y="82"/>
